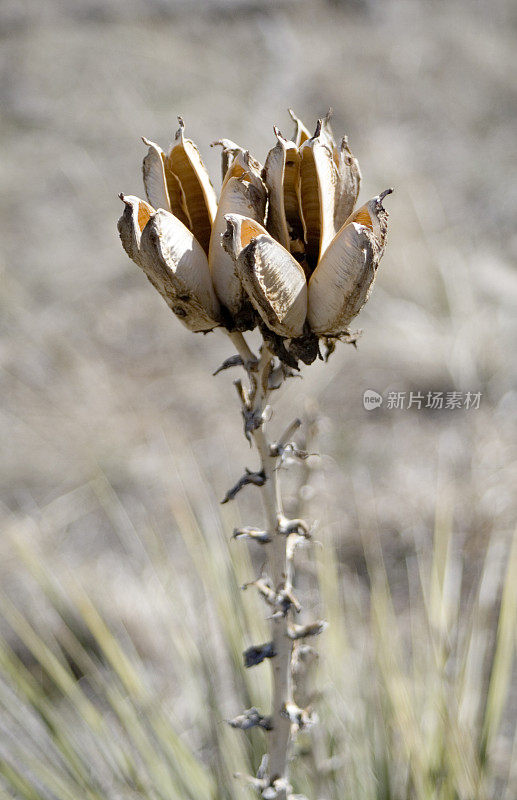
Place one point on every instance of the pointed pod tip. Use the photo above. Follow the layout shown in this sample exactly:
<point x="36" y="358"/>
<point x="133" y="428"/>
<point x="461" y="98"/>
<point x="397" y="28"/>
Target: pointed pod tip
<point x="385" y="193"/>
<point x="146" y="141"/>
<point x="278" y="132"/>
<point x="181" y="129"/>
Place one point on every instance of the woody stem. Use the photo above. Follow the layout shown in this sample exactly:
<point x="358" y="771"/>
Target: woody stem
<point x="278" y="743"/>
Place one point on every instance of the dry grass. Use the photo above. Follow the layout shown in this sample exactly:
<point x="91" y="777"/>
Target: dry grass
<point x="117" y="445"/>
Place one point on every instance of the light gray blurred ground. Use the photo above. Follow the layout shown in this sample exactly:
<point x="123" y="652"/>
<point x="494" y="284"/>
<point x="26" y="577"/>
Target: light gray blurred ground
<point x="100" y="383"/>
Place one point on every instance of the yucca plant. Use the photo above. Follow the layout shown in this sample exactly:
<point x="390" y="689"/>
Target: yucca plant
<point x="283" y="251"/>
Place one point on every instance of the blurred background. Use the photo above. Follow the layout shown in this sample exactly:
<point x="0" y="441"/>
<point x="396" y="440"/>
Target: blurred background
<point x="117" y="444"/>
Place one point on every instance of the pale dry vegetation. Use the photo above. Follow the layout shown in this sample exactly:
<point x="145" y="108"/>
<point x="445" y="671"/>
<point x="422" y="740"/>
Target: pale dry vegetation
<point x="122" y="629"/>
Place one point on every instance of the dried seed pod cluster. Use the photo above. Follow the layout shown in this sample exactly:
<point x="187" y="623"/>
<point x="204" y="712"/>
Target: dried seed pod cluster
<point x="282" y="249"/>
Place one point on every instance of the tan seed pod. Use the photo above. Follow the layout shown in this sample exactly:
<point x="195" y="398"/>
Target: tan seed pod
<point x="135" y="217"/>
<point x="154" y="176"/>
<point x="301" y="133"/>
<point x="282" y="179"/>
<point x="343" y="280"/>
<point x="326" y="134"/>
<point x="230" y="151"/>
<point x="245" y="195"/>
<point x="245" y="166"/>
<point x="273" y="279"/>
<point x="318" y="180"/>
<point x="177" y="267"/>
<point x="185" y="162"/>
<point x="348" y="185"/>
<point x="177" y="199"/>
<point x="374" y="216"/>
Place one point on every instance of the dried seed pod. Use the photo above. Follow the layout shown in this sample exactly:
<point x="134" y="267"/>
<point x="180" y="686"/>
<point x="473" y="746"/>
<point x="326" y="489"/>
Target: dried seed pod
<point x="318" y="180"/>
<point x="177" y="267"/>
<point x="349" y="182"/>
<point x="282" y="179"/>
<point x="229" y="153"/>
<point x="326" y="134"/>
<point x="245" y="195"/>
<point x="135" y="217"/>
<point x="273" y="279"/>
<point x="373" y="216"/>
<point x="162" y="186"/>
<point x="154" y="176"/>
<point x="185" y="162"/>
<point x="301" y="133"/>
<point x="343" y="280"/>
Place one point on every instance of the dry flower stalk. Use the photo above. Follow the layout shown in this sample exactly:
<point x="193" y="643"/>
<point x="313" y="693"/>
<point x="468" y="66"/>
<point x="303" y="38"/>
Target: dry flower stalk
<point x="284" y="251"/>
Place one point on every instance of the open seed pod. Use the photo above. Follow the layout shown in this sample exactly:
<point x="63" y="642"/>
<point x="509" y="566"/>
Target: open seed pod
<point x="229" y="152"/>
<point x="162" y="187"/>
<point x="273" y="279"/>
<point x="282" y="178"/>
<point x="135" y="217"/>
<point x="245" y="195"/>
<point x="348" y="185"/>
<point x="318" y="182"/>
<point x="343" y="280"/>
<point x="301" y="133"/>
<point x="185" y="163"/>
<point x="172" y="260"/>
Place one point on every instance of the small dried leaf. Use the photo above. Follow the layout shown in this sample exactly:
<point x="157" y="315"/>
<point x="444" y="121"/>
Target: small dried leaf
<point x="251" y="718"/>
<point x="258" y="653"/>
<point x="185" y="162"/>
<point x="311" y="629"/>
<point x="249" y="478"/>
<point x="253" y="534"/>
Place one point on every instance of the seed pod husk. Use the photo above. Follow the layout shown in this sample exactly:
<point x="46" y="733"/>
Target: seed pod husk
<point x="318" y="180"/>
<point x="348" y="185"/>
<point x="343" y="280"/>
<point x="301" y="133"/>
<point x="282" y="178"/>
<point x="177" y="267"/>
<point x="135" y="217"/>
<point x="273" y="279"/>
<point x="185" y="162"/>
<point x="154" y="176"/>
<point x="229" y="153"/>
<point x="245" y="195"/>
